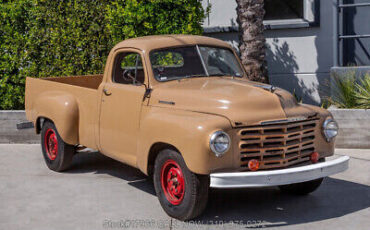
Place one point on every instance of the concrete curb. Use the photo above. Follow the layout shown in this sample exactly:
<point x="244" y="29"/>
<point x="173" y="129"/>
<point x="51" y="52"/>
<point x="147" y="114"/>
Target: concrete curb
<point x="9" y="132"/>
<point x="354" y="128"/>
<point x="12" y="115"/>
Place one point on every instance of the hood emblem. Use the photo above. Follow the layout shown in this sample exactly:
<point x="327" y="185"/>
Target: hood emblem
<point x="297" y="119"/>
<point x="270" y="88"/>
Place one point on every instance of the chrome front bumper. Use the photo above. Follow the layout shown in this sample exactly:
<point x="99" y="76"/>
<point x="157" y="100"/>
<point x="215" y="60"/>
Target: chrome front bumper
<point x="280" y="176"/>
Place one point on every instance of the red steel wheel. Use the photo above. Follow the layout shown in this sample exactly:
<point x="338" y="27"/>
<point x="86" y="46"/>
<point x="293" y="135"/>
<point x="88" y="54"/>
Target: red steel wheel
<point x="173" y="182"/>
<point x="183" y="194"/>
<point x="57" y="154"/>
<point x="51" y="144"/>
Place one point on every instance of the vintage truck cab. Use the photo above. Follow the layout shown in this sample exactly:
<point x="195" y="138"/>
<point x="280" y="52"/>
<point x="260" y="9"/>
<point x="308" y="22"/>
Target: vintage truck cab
<point x="181" y="109"/>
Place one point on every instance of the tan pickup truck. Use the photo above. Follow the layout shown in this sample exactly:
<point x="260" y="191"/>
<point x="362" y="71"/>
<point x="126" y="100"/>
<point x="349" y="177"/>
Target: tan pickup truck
<point x="181" y="109"/>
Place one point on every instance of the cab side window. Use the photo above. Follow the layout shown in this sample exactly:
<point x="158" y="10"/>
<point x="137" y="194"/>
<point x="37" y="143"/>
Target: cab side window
<point x="128" y="69"/>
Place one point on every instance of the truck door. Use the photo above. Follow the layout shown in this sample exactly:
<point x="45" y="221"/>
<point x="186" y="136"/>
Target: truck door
<point x="121" y="104"/>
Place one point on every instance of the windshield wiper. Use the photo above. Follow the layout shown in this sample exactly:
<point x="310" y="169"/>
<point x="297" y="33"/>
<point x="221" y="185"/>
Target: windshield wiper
<point x="200" y="75"/>
<point x="219" y="74"/>
<point x="224" y="74"/>
<point x="183" y="77"/>
<point x="192" y="75"/>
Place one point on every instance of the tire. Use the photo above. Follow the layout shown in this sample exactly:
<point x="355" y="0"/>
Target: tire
<point x="190" y="198"/>
<point x="57" y="154"/>
<point x="303" y="188"/>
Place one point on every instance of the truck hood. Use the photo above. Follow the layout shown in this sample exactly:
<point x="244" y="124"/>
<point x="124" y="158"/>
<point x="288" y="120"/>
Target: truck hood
<point x="243" y="102"/>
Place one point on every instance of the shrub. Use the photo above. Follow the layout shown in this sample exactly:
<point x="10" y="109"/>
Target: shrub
<point x="70" y="37"/>
<point x="351" y="93"/>
<point x="344" y="91"/>
<point x="150" y="17"/>
<point x="362" y="94"/>
<point x="13" y="58"/>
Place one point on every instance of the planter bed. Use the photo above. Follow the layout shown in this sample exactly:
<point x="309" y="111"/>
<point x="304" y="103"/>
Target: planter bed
<point x="354" y="128"/>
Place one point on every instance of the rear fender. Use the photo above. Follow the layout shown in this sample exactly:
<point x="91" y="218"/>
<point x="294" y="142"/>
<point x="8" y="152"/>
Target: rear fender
<point x="62" y="109"/>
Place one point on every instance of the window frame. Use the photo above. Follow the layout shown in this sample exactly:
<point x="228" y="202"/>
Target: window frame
<point x="129" y="51"/>
<point x="165" y="48"/>
<point x="201" y="58"/>
<point x="311" y="17"/>
<point x="226" y="48"/>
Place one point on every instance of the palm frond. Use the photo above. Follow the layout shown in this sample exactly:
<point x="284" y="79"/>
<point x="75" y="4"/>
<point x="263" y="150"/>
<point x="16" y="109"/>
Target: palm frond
<point x="362" y="94"/>
<point x="344" y="91"/>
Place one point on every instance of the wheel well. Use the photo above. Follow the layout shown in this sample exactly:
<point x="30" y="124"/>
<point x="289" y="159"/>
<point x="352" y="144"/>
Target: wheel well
<point x="40" y="122"/>
<point x="153" y="153"/>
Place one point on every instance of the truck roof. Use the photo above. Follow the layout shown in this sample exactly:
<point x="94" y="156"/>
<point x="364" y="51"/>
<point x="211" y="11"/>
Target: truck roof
<point x="148" y="43"/>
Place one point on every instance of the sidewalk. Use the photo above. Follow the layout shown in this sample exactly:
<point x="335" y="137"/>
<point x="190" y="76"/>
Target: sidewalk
<point x="98" y="192"/>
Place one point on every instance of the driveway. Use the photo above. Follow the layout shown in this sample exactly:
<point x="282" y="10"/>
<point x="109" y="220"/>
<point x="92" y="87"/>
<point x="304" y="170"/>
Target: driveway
<point x="100" y="193"/>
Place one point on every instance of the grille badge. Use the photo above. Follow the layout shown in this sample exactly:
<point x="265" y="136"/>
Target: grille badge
<point x="291" y="119"/>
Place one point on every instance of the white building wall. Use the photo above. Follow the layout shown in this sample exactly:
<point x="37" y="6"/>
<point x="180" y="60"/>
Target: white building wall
<point x="298" y="59"/>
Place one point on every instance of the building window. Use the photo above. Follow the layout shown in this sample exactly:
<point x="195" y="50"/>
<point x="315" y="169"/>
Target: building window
<point x="285" y="14"/>
<point x="280" y="14"/>
<point x="284" y="9"/>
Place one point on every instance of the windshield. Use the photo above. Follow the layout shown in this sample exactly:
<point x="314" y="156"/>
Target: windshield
<point x="194" y="61"/>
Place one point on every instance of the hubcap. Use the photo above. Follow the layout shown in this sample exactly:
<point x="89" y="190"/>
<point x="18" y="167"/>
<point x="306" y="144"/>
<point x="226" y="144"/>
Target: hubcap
<point x="172" y="181"/>
<point x="51" y="144"/>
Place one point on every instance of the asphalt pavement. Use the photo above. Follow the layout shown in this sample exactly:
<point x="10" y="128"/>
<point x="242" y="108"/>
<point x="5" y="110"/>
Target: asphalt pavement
<point x="100" y="193"/>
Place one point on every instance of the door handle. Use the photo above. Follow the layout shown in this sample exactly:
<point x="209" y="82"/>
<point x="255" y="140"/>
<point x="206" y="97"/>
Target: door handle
<point x="106" y="92"/>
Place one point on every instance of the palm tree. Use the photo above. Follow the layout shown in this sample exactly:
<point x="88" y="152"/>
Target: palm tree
<point x="251" y="41"/>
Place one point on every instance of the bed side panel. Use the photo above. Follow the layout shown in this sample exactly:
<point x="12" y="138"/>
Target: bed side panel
<point x="73" y="109"/>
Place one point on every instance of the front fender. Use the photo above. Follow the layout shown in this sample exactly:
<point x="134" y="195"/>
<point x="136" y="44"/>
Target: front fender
<point x="188" y="131"/>
<point x="62" y="109"/>
<point x="324" y="148"/>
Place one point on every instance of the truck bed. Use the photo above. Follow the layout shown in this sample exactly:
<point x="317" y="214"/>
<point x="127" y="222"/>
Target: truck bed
<point x="42" y="93"/>
<point x="87" y="81"/>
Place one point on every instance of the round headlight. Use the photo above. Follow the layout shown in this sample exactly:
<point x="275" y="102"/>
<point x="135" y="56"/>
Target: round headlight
<point x="330" y="129"/>
<point x="219" y="143"/>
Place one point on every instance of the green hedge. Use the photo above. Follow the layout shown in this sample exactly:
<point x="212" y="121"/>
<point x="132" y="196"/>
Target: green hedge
<point x="69" y="37"/>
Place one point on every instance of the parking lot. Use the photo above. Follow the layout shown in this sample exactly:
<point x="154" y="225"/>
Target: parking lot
<point x="100" y="193"/>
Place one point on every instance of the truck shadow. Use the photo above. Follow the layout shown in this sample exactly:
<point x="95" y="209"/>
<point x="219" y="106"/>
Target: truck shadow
<point x="268" y="206"/>
<point x="95" y="162"/>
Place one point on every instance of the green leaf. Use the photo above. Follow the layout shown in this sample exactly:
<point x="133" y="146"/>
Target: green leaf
<point x="42" y="38"/>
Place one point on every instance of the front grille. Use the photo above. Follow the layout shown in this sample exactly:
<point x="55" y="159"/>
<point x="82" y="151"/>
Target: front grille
<point x="278" y="145"/>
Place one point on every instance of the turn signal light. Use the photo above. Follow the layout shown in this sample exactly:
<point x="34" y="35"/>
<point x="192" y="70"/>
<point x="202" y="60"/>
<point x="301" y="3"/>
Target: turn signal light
<point x="253" y="165"/>
<point x="314" y="157"/>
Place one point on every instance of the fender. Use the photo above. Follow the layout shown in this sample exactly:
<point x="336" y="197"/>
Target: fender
<point x="189" y="132"/>
<point x="62" y="109"/>
<point x="323" y="147"/>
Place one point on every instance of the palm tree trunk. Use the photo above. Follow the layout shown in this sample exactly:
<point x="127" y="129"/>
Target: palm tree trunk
<point x="252" y="41"/>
